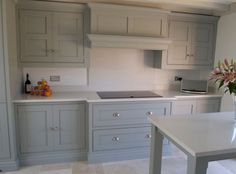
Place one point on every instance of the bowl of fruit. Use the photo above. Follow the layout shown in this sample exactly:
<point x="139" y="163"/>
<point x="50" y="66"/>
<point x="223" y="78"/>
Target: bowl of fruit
<point x="42" y="88"/>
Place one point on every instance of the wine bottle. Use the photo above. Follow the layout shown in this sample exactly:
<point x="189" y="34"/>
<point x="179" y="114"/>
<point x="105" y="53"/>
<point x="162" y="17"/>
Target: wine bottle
<point x="27" y="84"/>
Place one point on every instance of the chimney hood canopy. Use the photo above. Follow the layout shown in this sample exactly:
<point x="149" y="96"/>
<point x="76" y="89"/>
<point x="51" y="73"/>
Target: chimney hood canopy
<point x="115" y="41"/>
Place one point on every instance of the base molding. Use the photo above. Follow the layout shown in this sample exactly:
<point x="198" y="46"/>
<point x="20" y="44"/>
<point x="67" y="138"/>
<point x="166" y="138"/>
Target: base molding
<point x="47" y="158"/>
<point x="9" y="165"/>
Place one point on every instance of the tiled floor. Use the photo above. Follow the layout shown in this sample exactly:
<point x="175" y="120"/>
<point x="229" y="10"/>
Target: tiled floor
<point x="171" y="165"/>
<point x="175" y="164"/>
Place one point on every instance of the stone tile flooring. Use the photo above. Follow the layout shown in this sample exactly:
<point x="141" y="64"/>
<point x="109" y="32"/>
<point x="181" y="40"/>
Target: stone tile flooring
<point x="171" y="165"/>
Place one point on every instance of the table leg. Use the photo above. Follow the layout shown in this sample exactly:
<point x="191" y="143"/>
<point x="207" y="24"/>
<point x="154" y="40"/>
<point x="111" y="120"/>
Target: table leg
<point x="196" y="165"/>
<point x="156" y="151"/>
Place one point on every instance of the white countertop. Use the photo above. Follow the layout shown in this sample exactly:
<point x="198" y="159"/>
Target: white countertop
<point x="200" y="135"/>
<point x="93" y="97"/>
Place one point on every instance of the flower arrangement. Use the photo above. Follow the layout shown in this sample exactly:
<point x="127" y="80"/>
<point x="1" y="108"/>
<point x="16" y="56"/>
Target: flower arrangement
<point x="225" y="76"/>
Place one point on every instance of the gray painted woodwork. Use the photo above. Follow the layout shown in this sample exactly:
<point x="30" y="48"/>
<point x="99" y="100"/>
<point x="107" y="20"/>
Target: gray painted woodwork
<point x="121" y="138"/>
<point x="129" y="21"/>
<point x="70" y="121"/>
<point x="191" y="106"/>
<point x="193" y="43"/>
<point x="35" y="126"/>
<point x="125" y="114"/>
<point x="4" y="134"/>
<point x="53" y="37"/>
<point x="120" y="130"/>
<point x="156" y="151"/>
<point x="54" y="132"/>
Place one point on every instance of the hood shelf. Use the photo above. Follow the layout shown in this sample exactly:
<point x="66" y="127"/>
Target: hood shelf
<point x="114" y="41"/>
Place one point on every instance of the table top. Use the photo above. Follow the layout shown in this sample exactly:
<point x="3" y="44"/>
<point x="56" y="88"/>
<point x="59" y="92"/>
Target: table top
<point x="200" y="134"/>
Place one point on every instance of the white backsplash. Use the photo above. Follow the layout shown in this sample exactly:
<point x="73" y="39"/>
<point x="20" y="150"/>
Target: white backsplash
<point x="114" y="69"/>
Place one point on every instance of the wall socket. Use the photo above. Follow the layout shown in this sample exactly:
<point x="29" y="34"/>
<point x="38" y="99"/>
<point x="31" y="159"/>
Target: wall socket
<point x="178" y="78"/>
<point x="55" y="78"/>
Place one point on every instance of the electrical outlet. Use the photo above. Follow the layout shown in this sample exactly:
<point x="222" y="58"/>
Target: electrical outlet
<point x="55" y="78"/>
<point x="178" y="78"/>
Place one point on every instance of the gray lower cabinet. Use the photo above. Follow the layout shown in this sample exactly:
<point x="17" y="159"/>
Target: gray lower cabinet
<point x="51" y="132"/>
<point x="4" y="139"/>
<point x="120" y="130"/>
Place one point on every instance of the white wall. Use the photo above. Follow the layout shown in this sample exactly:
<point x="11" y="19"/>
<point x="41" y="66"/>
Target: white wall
<point x="114" y="69"/>
<point x="226" y="48"/>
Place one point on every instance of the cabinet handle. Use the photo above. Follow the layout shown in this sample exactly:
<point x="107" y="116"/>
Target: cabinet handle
<point x="148" y="136"/>
<point x="188" y="55"/>
<point x="192" y="55"/>
<point x="54" y="128"/>
<point x="52" y="50"/>
<point x="115" y="139"/>
<point x="149" y="113"/>
<point x="116" y="115"/>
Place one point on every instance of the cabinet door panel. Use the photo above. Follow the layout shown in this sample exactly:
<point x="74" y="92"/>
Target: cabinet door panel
<point x="35" y="27"/>
<point x="179" y="50"/>
<point x="70" y="121"/>
<point x="4" y="134"/>
<point x="183" y="107"/>
<point x="2" y="70"/>
<point x="201" y="44"/>
<point x="147" y="26"/>
<point x="34" y="126"/>
<point x="68" y="38"/>
<point x="208" y="105"/>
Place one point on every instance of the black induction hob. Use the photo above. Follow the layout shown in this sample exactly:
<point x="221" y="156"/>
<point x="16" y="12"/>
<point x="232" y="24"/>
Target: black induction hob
<point x="127" y="94"/>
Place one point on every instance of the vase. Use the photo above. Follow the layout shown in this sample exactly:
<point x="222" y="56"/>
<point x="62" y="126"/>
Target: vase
<point x="235" y="106"/>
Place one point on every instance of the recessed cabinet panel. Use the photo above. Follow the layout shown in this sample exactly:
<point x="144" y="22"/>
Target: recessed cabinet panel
<point x="147" y="26"/>
<point x="35" y="28"/>
<point x="2" y="72"/>
<point x="68" y="38"/>
<point x="70" y="121"/>
<point x="35" y="124"/>
<point x="207" y="106"/>
<point x="112" y="24"/>
<point x="4" y="138"/>
<point x="185" y="107"/>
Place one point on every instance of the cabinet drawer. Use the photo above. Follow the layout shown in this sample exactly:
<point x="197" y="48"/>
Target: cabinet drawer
<point x="121" y="138"/>
<point x="125" y="114"/>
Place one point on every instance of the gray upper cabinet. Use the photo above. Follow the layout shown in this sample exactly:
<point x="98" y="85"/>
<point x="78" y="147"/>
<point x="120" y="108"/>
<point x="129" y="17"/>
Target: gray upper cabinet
<point x="53" y="37"/>
<point x="193" y="42"/>
<point x="68" y="38"/>
<point x="47" y="128"/>
<point x="4" y="143"/>
<point x="35" y="125"/>
<point x="131" y="21"/>
<point x="35" y="34"/>
<point x="70" y="122"/>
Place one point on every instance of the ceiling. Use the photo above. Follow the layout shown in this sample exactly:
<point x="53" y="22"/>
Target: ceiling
<point x="192" y="6"/>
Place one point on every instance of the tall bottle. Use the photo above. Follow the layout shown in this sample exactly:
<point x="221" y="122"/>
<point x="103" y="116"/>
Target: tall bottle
<point x="27" y="84"/>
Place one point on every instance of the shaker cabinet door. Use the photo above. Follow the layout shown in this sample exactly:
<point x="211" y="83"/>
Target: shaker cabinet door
<point x="208" y="105"/>
<point x="2" y="70"/>
<point x="179" y="50"/>
<point x="69" y="123"/>
<point x="4" y="134"/>
<point x="35" y="128"/>
<point x="201" y="44"/>
<point x="35" y="33"/>
<point x="68" y="38"/>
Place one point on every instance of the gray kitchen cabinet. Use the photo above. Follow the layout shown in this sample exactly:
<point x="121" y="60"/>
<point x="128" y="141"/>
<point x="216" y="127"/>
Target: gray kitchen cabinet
<point x="55" y="132"/>
<point x="132" y="21"/>
<point x="53" y="37"/>
<point x="69" y="121"/>
<point x="120" y="130"/>
<point x="208" y="105"/>
<point x="35" y="34"/>
<point x="192" y="106"/>
<point x="35" y="125"/>
<point x="4" y="134"/>
<point x="193" y="43"/>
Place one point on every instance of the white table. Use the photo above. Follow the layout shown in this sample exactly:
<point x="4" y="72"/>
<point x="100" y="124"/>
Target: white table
<point x="202" y="137"/>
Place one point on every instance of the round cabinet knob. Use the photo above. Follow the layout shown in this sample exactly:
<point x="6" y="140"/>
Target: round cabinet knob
<point x="116" y="114"/>
<point x="188" y="55"/>
<point x="149" y="113"/>
<point x="54" y="128"/>
<point x="148" y="136"/>
<point x="115" y="139"/>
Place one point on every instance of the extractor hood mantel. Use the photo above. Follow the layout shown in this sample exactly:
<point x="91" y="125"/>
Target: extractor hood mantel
<point x="114" y="41"/>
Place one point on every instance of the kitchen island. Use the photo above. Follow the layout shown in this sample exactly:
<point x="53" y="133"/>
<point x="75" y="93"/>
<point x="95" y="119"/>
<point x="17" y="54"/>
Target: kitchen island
<point x="202" y="137"/>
